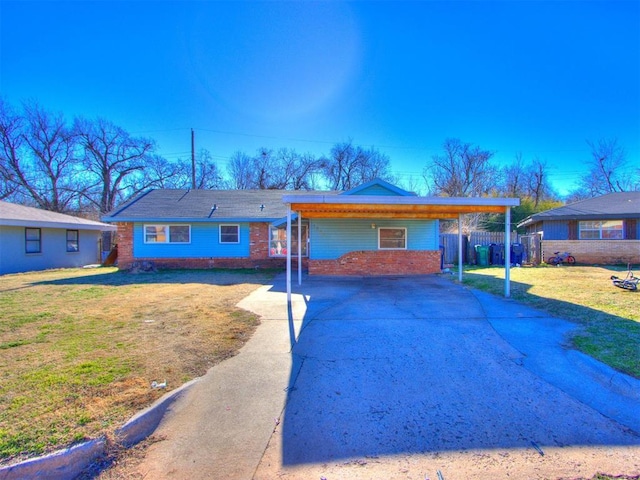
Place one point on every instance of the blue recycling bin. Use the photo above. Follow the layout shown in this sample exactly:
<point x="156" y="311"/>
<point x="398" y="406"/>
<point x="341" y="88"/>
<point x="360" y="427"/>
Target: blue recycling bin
<point x="517" y="253"/>
<point x="496" y="253"/>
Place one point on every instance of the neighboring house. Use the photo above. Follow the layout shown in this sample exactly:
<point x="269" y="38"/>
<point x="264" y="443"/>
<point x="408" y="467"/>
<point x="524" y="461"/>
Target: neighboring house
<point x="34" y="239"/>
<point x="381" y="230"/>
<point x="603" y="229"/>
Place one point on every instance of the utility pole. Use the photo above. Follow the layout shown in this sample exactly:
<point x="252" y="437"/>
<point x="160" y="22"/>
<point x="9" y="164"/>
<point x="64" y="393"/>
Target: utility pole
<point x="193" y="161"/>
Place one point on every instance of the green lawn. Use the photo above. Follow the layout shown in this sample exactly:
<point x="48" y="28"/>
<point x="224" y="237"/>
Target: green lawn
<point x="609" y="316"/>
<point x="79" y="348"/>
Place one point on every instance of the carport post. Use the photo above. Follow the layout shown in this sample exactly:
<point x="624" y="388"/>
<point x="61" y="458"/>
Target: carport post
<point x="292" y="330"/>
<point x="299" y="248"/>
<point x="289" y="254"/>
<point x="460" y="247"/>
<point x="507" y="251"/>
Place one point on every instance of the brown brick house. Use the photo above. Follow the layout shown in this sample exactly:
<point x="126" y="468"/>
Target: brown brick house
<point x="604" y="229"/>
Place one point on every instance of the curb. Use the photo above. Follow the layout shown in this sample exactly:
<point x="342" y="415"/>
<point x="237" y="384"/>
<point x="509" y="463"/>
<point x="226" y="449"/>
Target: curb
<point x="68" y="463"/>
<point x="607" y="376"/>
<point x="61" y="465"/>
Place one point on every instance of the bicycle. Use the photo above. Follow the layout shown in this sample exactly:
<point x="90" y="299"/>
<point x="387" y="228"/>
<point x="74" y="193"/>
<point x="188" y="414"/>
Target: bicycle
<point x="560" y="258"/>
<point x="630" y="282"/>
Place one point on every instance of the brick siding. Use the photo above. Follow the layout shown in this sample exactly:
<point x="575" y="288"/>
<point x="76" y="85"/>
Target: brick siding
<point x="379" y="262"/>
<point x="258" y="256"/>
<point x="124" y="240"/>
<point x="259" y="240"/>
<point x="606" y="252"/>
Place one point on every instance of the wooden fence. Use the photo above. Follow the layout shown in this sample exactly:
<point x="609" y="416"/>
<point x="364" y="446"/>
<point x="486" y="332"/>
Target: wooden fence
<point x="449" y="241"/>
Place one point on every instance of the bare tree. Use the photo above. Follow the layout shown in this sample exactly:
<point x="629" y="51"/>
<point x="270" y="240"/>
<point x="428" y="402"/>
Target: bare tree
<point x="412" y="184"/>
<point x="265" y="173"/>
<point x="538" y="183"/>
<point x="349" y="166"/>
<point x="38" y="157"/>
<point x="606" y="169"/>
<point x="112" y="157"/>
<point x="463" y="170"/>
<point x="294" y="171"/>
<point x="159" y="172"/>
<point x="240" y="171"/>
<point x="208" y="175"/>
<point x="515" y="177"/>
<point x="11" y="140"/>
<point x="284" y="169"/>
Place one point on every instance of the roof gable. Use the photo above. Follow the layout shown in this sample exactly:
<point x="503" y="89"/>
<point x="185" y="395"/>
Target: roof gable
<point x="378" y="187"/>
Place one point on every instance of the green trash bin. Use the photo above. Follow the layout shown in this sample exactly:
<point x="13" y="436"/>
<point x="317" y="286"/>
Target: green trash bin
<point x="482" y="255"/>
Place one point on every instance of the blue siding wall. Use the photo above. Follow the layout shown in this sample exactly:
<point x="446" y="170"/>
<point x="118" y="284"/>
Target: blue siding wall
<point x="13" y="257"/>
<point x="330" y="239"/>
<point x="556" y="230"/>
<point x="205" y="243"/>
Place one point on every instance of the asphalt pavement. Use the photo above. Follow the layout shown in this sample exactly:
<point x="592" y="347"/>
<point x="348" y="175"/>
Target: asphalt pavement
<point x="393" y="367"/>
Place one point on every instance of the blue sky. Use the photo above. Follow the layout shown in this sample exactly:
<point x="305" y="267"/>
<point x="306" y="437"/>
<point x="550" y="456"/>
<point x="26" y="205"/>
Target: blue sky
<point x="538" y="77"/>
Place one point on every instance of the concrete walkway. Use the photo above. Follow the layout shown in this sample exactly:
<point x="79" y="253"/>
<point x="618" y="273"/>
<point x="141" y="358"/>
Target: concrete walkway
<point x="390" y="375"/>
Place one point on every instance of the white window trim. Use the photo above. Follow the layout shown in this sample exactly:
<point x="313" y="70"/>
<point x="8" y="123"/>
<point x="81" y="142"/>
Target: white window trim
<point x="406" y="240"/>
<point x="237" y="225"/>
<point x="77" y="240"/>
<point x="168" y="225"/>
<point x="599" y="230"/>
<point x="26" y="241"/>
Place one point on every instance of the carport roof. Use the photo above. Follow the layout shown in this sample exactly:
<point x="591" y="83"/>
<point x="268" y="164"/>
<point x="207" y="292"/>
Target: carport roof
<point x="408" y="207"/>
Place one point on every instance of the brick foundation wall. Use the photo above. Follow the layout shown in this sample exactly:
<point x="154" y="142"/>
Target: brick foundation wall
<point x="204" y="263"/>
<point x="258" y="253"/>
<point x="378" y="262"/>
<point x="606" y="252"/>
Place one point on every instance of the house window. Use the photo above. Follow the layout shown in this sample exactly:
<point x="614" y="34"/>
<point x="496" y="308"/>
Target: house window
<point x="392" y="238"/>
<point x="32" y="240"/>
<point x="167" y="234"/>
<point x="278" y="243"/>
<point x="229" y="233"/>
<point x="601" y="230"/>
<point x="73" y="241"/>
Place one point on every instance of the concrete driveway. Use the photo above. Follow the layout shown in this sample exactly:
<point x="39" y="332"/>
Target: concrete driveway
<point x="404" y="377"/>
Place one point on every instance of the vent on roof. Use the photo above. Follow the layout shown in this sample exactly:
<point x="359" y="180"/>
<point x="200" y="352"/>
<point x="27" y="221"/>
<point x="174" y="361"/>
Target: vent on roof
<point x="261" y="207"/>
<point x="213" y="209"/>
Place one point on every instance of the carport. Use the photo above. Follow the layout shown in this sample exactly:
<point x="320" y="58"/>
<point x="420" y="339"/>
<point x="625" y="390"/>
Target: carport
<point x="376" y="207"/>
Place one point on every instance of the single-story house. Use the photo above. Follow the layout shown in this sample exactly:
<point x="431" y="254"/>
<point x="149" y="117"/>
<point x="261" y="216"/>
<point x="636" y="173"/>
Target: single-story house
<point x="604" y="229"/>
<point x="374" y="229"/>
<point x="35" y="239"/>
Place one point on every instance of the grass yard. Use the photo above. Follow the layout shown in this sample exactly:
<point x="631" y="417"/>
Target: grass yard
<point x="609" y="316"/>
<point x="80" y="348"/>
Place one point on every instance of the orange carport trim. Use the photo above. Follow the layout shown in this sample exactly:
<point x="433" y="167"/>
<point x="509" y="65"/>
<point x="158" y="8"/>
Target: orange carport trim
<point x="405" y="211"/>
<point x="368" y="206"/>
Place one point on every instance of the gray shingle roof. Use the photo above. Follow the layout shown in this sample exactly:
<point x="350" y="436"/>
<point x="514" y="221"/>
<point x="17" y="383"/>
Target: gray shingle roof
<point x="612" y="206"/>
<point x="15" y="215"/>
<point x="197" y="205"/>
